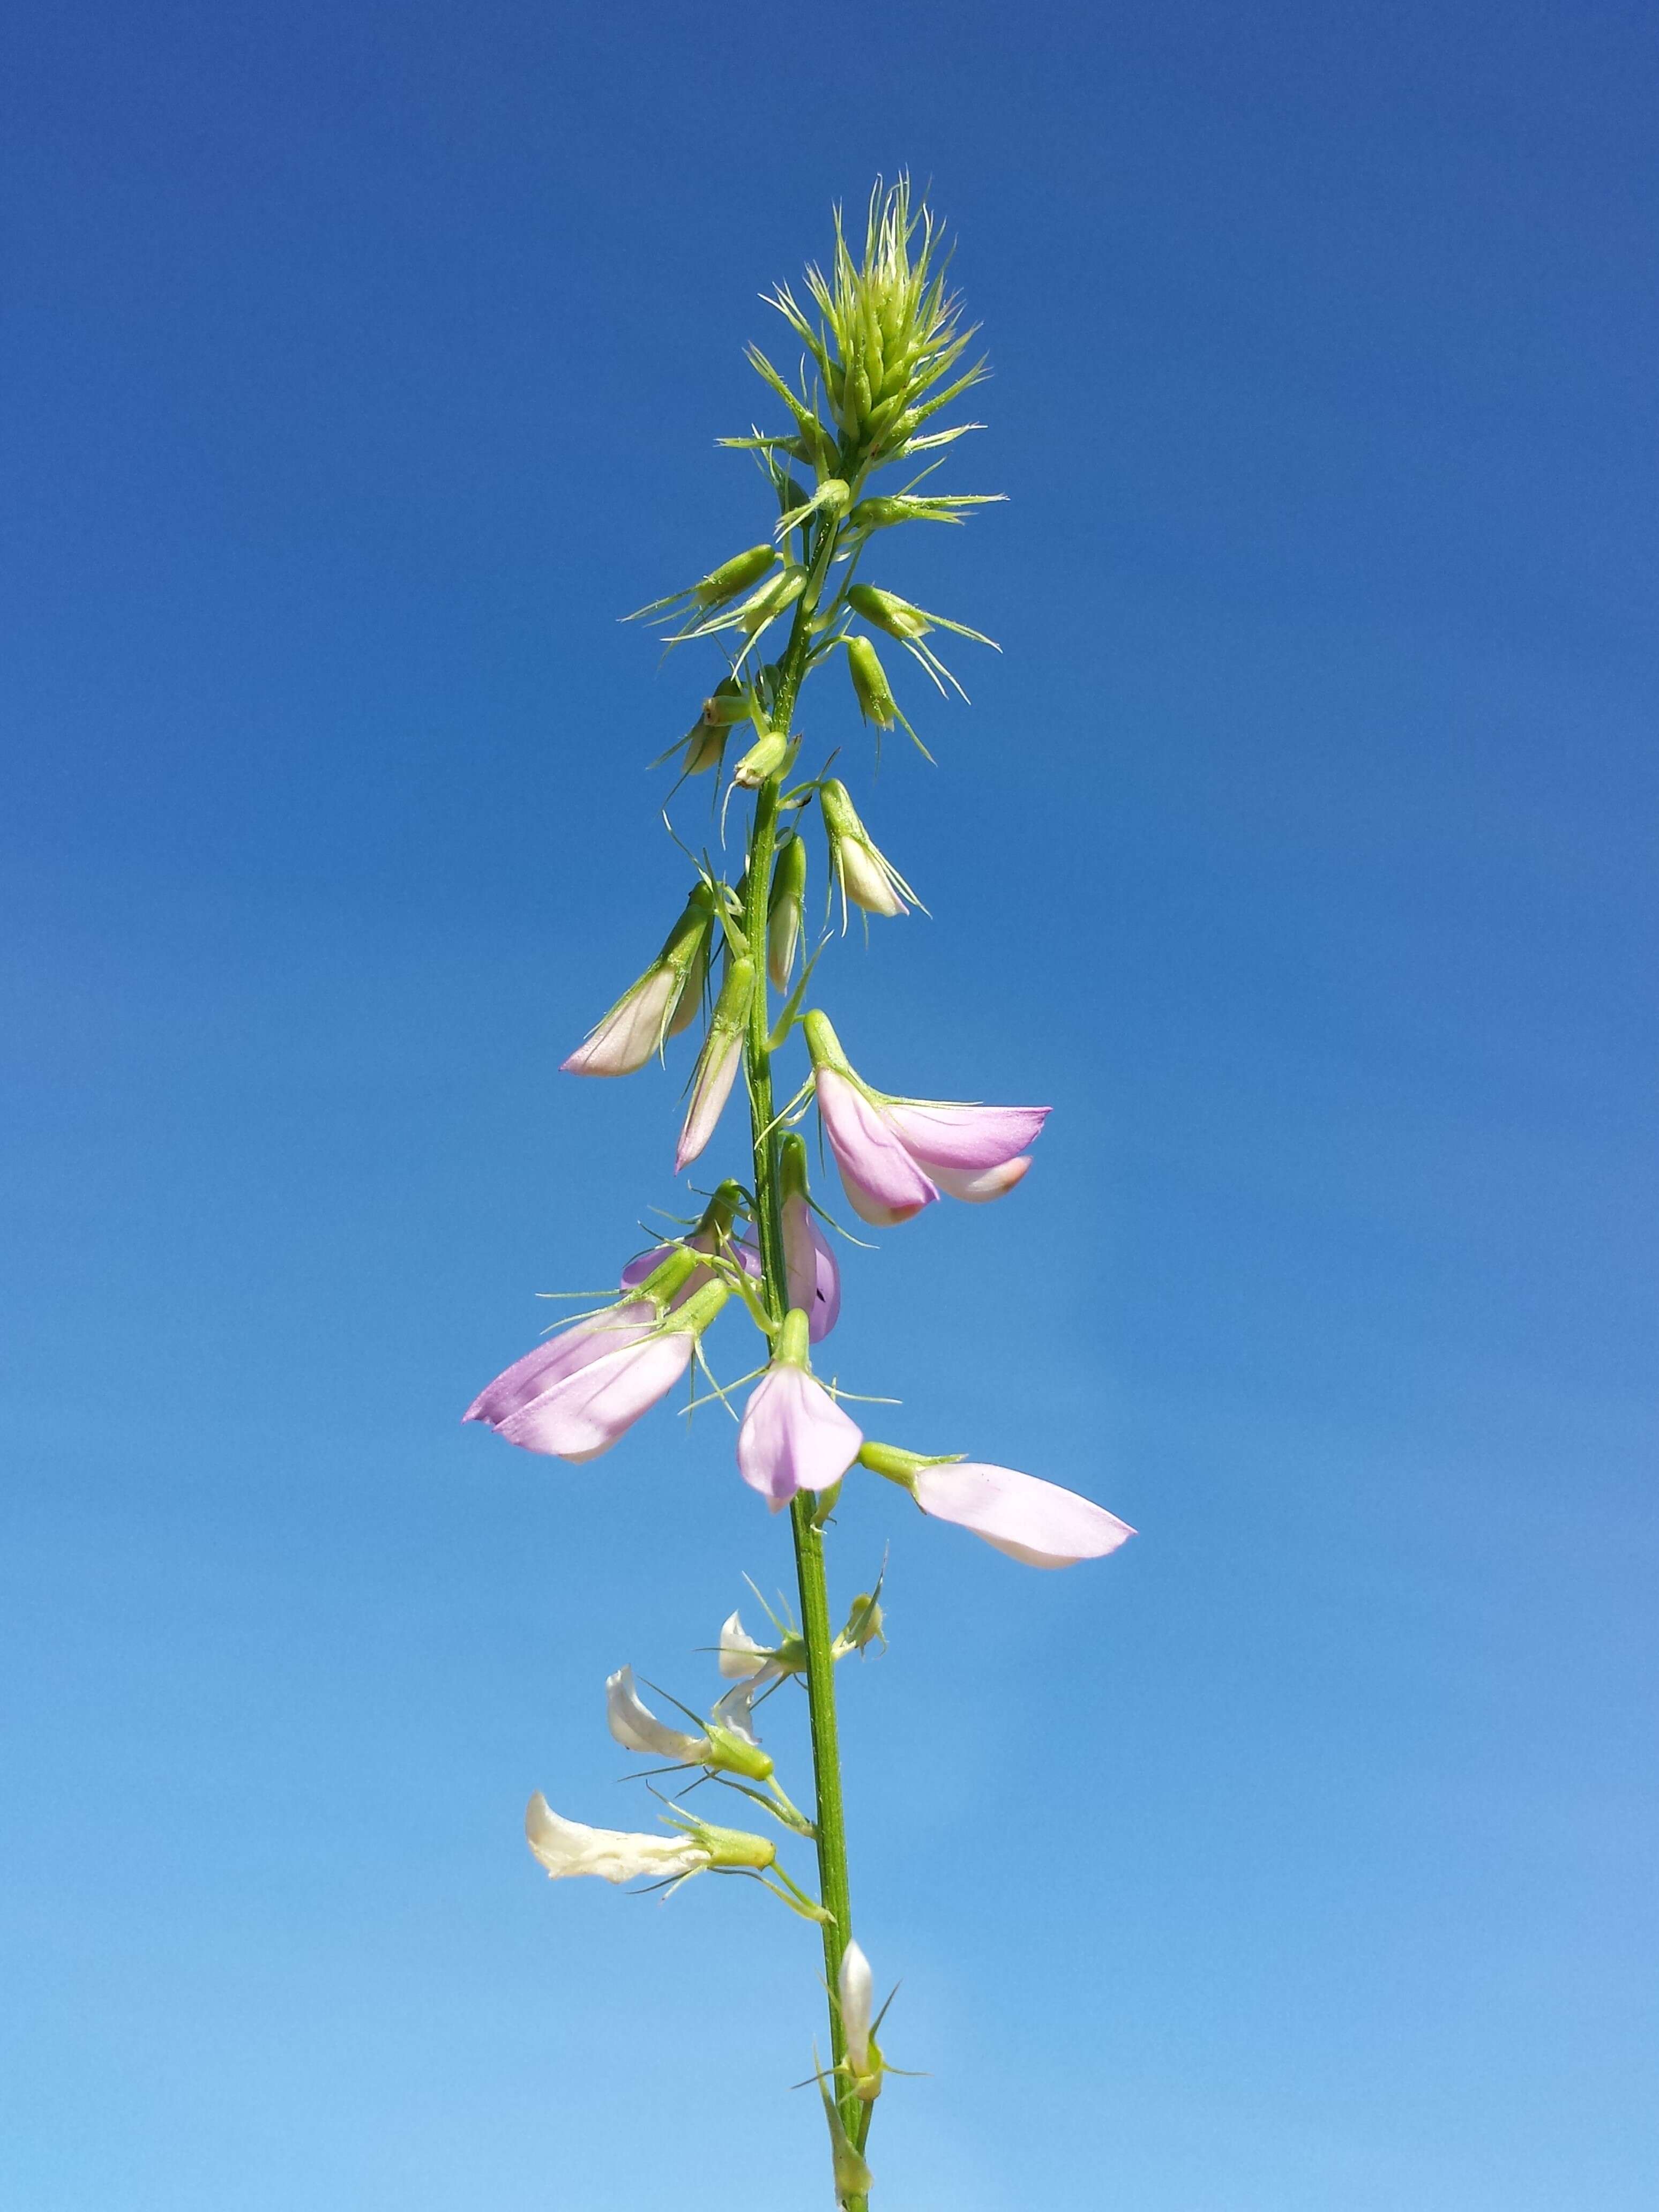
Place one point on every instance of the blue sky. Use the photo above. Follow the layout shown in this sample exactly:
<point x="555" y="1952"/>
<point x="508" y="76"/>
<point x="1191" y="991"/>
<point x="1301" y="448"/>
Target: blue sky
<point x="363" y="365"/>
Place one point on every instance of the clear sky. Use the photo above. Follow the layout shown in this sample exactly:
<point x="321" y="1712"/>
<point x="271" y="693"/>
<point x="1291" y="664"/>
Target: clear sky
<point x="362" y="364"/>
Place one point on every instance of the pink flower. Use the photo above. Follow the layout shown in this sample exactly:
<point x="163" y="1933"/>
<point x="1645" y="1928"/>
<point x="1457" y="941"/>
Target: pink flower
<point x="628" y="1035"/>
<point x="794" y="1436"/>
<point x="1030" y="1520"/>
<point x="883" y="1184"/>
<point x="718" y="1062"/>
<point x="814" y="1278"/>
<point x="567" y="1354"/>
<point x="576" y="1406"/>
<point x="659" y="1005"/>
<point x="895" y="1155"/>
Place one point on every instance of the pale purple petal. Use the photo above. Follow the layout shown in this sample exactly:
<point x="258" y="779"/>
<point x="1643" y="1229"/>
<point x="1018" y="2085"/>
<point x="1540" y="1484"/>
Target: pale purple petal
<point x="630" y="1032"/>
<point x="560" y="1356"/>
<point x="883" y="1184"/>
<point x="794" y="1437"/>
<point x="814" y="1279"/>
<point x="1028" y="1519"/>
<point x="964" y="1136"/>
<point x="710" y="1093"/>
<point x="583" y="1415"/>
<point x="978" y="1186"/>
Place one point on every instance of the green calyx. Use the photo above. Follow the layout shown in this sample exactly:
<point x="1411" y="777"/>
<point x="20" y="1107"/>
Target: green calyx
<point x="790" y="1346"/>
<point x="763" y="759"/>
<point x="699" y="1308"/>
<point x="732" y="1848"/>
<point x="896" y="1465"/>
<point x="792" y="1166"/>
<point x="731" y="1008"/>
<point x="825" y="1046"/>
<point x="732" y="1753"/>
<point x="669" y="1278"/>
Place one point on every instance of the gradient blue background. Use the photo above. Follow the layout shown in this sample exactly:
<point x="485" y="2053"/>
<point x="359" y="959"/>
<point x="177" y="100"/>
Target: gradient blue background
<point x="362" y="364"/>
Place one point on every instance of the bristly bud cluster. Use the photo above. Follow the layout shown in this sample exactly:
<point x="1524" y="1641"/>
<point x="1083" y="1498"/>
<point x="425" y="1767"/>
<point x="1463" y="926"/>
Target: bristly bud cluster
<point x="886" y="339"/>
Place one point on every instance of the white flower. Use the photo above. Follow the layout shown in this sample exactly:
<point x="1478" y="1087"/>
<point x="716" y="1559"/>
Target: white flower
<point x="740" y="1655"/>
<point x="637" y="1728"/>
<point x="735" y="1710"/>
<point x="854" y="1988"/>
<point x="566" y="1847"/>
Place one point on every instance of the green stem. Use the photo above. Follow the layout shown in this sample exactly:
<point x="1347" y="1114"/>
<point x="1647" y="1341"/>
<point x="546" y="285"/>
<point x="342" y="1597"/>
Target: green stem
<point x="817" y="1631"/>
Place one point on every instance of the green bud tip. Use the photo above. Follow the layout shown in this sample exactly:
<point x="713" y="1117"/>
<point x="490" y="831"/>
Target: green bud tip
<point x="734" y="575"/>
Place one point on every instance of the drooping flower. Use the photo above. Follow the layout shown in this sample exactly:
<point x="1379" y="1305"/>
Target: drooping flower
<point x="809" y="1268"/>
<point x="728" y="1745"/>
<point x="717" y="1063"/>
<point x="659" y="1004"/>
<point x="614" y="1330"/>
<point x="794" y="1436"/>
<point x="1030" y="1520"/>
<point x="602" y="1388"/>
<point x="784" y="908"/>
<point x="637" y="1727"/>
<point x="570" y="1847"/>
<point x="895" y="1155"/>
<point x="865" y="875"/>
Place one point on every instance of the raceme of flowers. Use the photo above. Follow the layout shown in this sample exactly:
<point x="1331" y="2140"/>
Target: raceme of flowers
<point x="884" y="350"/>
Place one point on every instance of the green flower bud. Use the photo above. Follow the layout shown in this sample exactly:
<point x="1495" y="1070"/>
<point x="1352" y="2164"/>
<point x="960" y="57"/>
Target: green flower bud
<point x="874" y="693"/>
<point x="865" y="1626"/>
<point x="880" y="513"/>
<point x="734" y="575"/>
<point x="784" y="910"/>
<point x="763" y="758"/>
<point x="866" y="875"/>
<point x="889" y="612"/>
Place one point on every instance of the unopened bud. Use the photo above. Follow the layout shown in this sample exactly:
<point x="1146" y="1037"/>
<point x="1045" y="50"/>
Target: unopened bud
<point x="770" y="602"/>
<point x="889" y="612"/>
<point x="880" y="513"/>
<point x="864" y="874"/>
<point x="784" y="910"/>
<point x="870" y="685"/>
<point x="763" y="758"/>
<point x="734" y="575"/>
<point x="866" y="1624"/>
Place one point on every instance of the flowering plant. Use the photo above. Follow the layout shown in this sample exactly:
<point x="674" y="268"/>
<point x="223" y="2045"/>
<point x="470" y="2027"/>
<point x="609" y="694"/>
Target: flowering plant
<point x="884" y="353"/>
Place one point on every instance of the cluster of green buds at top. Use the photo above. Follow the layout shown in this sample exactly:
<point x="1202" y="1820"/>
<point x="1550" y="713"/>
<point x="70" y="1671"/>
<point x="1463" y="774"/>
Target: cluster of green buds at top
<point x="885" y="339"/>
